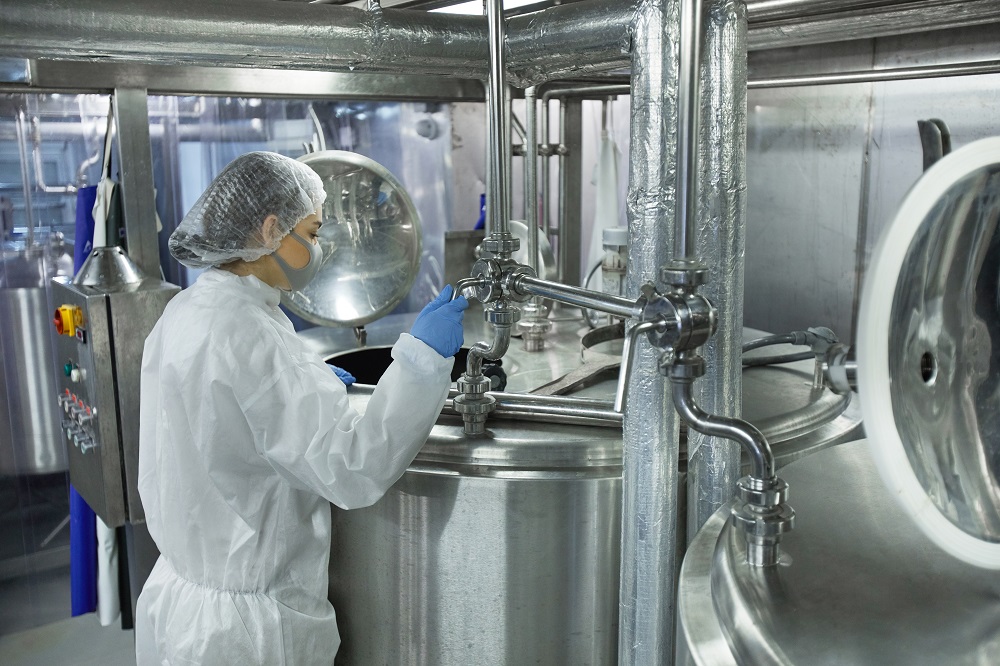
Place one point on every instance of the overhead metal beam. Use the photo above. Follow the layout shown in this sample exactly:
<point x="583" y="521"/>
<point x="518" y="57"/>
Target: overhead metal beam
<point x="187" y="80"/>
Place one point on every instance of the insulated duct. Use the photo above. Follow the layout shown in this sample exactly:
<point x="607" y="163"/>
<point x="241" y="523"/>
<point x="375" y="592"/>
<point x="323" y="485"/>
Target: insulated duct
<point x="576" y="38"/>
<point x="714" y="463"/>
<point x="650" y="560"/>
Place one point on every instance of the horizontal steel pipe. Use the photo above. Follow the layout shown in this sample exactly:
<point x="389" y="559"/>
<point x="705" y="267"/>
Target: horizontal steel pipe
<point x="898" y="18"/>
<point x="576" y="296"/>
<point x="891" y="74"/>
<point x="530" y="407"/>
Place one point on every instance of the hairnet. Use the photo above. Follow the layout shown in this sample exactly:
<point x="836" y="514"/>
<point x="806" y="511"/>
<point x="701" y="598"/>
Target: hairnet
<point x="226" y="223"/>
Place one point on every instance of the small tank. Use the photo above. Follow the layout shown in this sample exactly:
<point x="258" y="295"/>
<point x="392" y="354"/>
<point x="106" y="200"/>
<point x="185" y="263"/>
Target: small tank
<point x="31" y="441"/>
<point x="506" y="549"/>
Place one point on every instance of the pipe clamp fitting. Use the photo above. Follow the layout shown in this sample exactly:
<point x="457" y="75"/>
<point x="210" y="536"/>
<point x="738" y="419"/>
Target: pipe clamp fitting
<point x="775" y="494"/>
<point x="684" y="368"/>
<point x="684" y="274"/>
<point x="501" y="245"/>
<point x="511" y="282"/>
<point x="488" y="272"/>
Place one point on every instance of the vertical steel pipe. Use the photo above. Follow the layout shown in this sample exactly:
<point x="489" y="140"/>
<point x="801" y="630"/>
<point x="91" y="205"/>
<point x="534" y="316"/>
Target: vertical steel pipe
<point x="714" y="463"/>
<point x="530" y="174"/>
<point x="498" y="126"/>
<point x="650" y="431"/>
<point x="21" y="128"/>
<point x="687" y="129"/>
<point x="570" y="194"/>
<point x="546" y="167"/>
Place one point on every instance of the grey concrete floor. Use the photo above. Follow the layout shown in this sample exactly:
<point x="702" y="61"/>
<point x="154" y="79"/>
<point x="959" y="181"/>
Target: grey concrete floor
<point x="80" y="641"/>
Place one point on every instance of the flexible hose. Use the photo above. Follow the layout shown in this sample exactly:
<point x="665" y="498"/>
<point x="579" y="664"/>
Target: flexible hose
<point x="775" y="360"/>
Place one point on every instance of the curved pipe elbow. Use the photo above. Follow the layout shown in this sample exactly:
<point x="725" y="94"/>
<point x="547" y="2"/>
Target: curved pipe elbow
<point x="749" y="437"/>
<point x="483" y="350"/>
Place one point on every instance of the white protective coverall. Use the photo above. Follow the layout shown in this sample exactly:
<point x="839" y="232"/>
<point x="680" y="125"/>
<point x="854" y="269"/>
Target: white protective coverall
<point x="245" y="435"/>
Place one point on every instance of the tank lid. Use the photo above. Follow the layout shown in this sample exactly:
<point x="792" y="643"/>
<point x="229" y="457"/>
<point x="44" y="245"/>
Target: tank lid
<point x="109" y="269"/>
<point x="371" y="243"/>
<point x="929" y="351"/>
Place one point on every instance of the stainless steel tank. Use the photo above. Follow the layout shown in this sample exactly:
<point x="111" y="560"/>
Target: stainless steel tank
<point x="497" y="550"/>
<point x="895" y="553"/>
<point x="859" y="583"/>
<point x="506" y="549"/>
<point x="30" y="438"/>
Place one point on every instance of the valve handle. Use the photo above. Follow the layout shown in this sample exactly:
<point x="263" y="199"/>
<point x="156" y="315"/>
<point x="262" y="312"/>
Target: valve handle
<point x="628" y="349"/>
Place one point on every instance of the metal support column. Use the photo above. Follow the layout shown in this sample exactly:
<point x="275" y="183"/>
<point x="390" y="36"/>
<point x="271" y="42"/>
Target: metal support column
<point x="136" y="180"/>
<point x="650" y="430"/>
<point x="570" y="190"/>
<point x="714" y="463"/>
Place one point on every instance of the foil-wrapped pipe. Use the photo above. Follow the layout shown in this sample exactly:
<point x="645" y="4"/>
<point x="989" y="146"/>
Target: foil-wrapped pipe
<point x="713" y="462"/>
<point x="649" y="560"/>
<point x="897" y="18"/>
<point x="571" y="39"/>
<point x="246" y="33"/>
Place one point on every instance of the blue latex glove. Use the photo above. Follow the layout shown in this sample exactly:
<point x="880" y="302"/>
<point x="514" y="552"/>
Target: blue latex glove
<point x="343" y="375"/>
<point x="439" y="324"/>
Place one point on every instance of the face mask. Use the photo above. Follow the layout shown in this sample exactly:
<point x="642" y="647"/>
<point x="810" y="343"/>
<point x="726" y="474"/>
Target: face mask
<point x="298" y="278"/>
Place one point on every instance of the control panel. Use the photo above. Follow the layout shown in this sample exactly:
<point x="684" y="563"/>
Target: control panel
<point x="99" y="341"/>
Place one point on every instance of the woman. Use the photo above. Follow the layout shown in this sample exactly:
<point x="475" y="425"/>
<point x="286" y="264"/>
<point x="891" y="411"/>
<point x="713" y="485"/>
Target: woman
<point x="246" y="435"/>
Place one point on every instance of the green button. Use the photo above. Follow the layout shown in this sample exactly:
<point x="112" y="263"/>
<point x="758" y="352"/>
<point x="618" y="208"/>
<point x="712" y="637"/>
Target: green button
<point x="68" y="369"/>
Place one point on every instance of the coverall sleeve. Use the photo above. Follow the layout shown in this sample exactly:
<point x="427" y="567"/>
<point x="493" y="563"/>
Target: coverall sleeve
<point x="305" y="428"/>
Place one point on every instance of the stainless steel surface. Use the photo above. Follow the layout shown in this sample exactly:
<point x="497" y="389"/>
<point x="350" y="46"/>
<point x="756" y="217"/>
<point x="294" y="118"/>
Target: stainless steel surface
<point x="689" y="107"/>
<point x="108" y="268"/>
<point x="498" y="152"/>
<point x="136" y="179"/>
<point x="570" y="197"/>
<point x="897" y="18"/>
<point x="544" y="257"/>
<point x="22" y="155"/>
<point x="650" y="535"/>
<point x="102" y="418"/>
<point x="714" y="463"/>
<point x="489" y="551"/>
<point x="531" y="177"/>
<point x="246" y="34"/>
<point x="467" y="558"/>
<point x="576" y="296"/>
<point x="573" y="39"/>
<point x="190" y="80"/>
<point x="30" y="439"/>
<point x="15" y="70"/>
<point x="371" y="243"/>
<point x="892" y="596"/>
<point x="942" y="324"/>
<point x="891" y="74"/>
<point x="750" y="438"/>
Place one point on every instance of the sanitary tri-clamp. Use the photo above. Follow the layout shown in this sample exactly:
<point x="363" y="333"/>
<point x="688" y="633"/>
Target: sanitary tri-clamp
<point x="487" y="279"/>
<point x="678" y="321"/>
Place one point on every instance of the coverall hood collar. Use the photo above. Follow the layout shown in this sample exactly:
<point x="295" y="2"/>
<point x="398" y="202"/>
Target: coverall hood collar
<point x="249" y="286"/>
